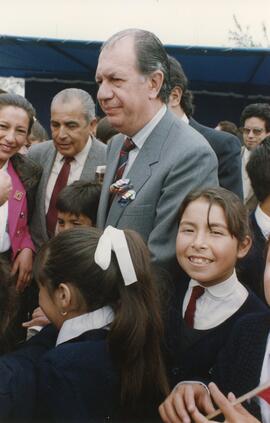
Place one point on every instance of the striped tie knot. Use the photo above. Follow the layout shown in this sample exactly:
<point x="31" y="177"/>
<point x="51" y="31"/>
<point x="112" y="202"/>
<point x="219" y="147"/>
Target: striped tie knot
<point x="127" y="146"/>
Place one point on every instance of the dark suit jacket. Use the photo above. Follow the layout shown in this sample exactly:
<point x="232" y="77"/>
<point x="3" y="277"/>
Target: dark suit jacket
<point x="228" y="150"/>
<point x="197" y="360"/>
<point x="18" y="377"/>
<point x="239" y="365"/>
<point x="250" y="269"/>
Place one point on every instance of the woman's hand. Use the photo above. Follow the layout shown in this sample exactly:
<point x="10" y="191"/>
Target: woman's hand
<point x="232" y="414"/>
<point x="22" y="265"/>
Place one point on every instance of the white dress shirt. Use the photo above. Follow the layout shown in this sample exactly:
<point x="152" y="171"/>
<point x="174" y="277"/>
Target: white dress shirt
<point x="4" y="236"/>
<point x="217" y="303"/>
<point x="97" y="319"/>
<point x="141" y="136"/>
<point x="76" y="168"/>
<point x="247" y="188"/>
<point x="263" y="221"/>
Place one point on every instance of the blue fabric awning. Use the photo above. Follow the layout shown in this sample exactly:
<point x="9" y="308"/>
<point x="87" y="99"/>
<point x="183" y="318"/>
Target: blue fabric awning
<point x="240" y="71"/>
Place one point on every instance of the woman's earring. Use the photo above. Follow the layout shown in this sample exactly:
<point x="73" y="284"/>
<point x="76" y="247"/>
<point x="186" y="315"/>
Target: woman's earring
<point x="64" y="313"/>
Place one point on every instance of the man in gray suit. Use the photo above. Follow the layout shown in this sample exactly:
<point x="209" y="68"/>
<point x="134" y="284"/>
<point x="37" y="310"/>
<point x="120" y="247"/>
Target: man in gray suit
<point x="72" y="123"/>
<point x="168" y="159"/>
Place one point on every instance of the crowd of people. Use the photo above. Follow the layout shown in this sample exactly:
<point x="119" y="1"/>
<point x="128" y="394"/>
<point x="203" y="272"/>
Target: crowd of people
<point x="134" y="259"/>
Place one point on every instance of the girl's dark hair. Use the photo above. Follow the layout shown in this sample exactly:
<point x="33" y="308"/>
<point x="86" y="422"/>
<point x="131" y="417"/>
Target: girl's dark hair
<point x="136" y="332"/>
<point x="19" y="101"/>
<point x="235" y="212"/>
<point x="8" y="307"/>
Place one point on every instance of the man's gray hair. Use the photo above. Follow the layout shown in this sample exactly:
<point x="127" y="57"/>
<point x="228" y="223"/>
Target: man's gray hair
<point x="151" y="55"/>
<point x="82" y="96"/>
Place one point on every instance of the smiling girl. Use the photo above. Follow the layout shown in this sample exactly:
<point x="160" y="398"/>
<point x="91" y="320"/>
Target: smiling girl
<point x="213" y="234"/>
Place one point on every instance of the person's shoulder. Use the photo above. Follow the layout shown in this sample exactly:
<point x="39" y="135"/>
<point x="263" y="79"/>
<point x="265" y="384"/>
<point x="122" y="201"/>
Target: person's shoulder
<point x="215" y="135"/>
<point x="253" y="304"/>
<point x="99" y="145"/>
<point x="82" y="350"/>
<point x="41" y="148"/>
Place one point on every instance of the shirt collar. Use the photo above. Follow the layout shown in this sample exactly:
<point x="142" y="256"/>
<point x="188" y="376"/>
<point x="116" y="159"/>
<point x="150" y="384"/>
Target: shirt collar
<point x="263" y="221"/>
<point x="184" y="118"/>
<point x="97" y="319"/>
<point x="143" y="134"/>
<point x="79" y="157"/>
<point x="221" y="289"/>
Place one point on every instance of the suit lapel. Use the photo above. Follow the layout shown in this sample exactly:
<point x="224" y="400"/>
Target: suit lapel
<point x="141" y="169"/>
<point x="49" y="160"/>
<point x="91" y="162"/>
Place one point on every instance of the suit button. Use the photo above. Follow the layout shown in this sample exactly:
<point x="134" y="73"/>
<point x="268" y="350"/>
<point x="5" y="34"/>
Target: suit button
<point x="22" y="214"/>
<point x="18" y="232"/>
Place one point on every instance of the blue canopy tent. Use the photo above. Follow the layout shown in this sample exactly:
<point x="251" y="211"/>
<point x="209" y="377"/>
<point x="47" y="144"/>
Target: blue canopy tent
<point x="223" y="80"/>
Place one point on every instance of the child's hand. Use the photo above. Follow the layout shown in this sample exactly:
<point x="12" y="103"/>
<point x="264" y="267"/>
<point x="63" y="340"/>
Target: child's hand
<point x="232" y="414"/>
<point x="38" y="319"/>
<point x="182" y="402"/>
<point x="23" y="265"/>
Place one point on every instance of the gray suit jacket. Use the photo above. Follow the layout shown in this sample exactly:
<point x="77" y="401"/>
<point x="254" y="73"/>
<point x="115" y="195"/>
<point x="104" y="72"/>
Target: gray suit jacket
<point x="173" y="160"/>
<point x="44" y="154"/>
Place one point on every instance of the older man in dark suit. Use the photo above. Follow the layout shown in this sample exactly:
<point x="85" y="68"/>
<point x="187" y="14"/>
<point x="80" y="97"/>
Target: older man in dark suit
<point x="226" y="146"/>
<point x="73" y="154"/>
<point x="162" y="157"/>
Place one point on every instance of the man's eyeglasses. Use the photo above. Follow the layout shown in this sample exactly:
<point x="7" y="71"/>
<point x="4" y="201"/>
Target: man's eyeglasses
<point x="256" y="131"/>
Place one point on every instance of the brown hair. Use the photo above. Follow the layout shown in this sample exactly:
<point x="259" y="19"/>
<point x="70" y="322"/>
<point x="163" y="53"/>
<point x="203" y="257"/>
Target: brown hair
<point x="136" y="331"/>
<point x="19" y="101"/>
<point x="8" y="306"/>
<point x="235" y="212"/>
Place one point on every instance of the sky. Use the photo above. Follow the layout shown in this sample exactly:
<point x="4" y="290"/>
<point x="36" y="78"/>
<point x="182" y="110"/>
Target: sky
<point x="190" y="22"/>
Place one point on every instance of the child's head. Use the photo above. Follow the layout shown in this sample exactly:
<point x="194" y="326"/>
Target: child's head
<point x="258" y="169"/>
<point x="213" y="234"/>
<point x="72" y="283"/>
<point x="77" y="205"/>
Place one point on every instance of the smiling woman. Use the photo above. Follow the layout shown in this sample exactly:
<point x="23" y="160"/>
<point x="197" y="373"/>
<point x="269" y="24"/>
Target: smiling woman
<point x="16" y="247"/>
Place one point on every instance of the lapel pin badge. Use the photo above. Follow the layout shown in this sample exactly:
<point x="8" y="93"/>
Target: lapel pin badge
<point x="18" y="195"/>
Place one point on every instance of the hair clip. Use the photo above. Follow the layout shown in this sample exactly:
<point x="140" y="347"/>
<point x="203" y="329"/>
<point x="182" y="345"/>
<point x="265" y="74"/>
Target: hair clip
<point x="114" y="239"/>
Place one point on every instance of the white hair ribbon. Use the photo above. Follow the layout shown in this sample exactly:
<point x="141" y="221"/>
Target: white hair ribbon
<point x="114" y="239"/>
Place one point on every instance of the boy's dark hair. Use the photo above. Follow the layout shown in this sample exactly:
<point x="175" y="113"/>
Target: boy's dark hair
<point x="258" y="169"/>
<point x="136" y="331"/>
<point x="19" y="101"/>
<point x="80" y="197"/>
<point x="259" y="110"/>
<point x="235" y="212"/>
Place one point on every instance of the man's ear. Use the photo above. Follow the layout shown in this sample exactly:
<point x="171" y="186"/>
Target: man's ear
<point x="155" y="83"/>
<point x="93" y="126"/>
<point x="175" y="97"/>
<point x="244" y="246"/>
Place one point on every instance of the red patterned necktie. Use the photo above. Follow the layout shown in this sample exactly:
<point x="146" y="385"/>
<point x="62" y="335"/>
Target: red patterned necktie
<point x="60" y="183"/>
<point x="197" y="292"/>
<point x="127" y="146"/>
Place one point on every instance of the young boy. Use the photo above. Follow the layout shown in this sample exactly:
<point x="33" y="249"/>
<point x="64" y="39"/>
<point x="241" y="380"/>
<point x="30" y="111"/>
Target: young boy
<point x="77" y="205"/>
